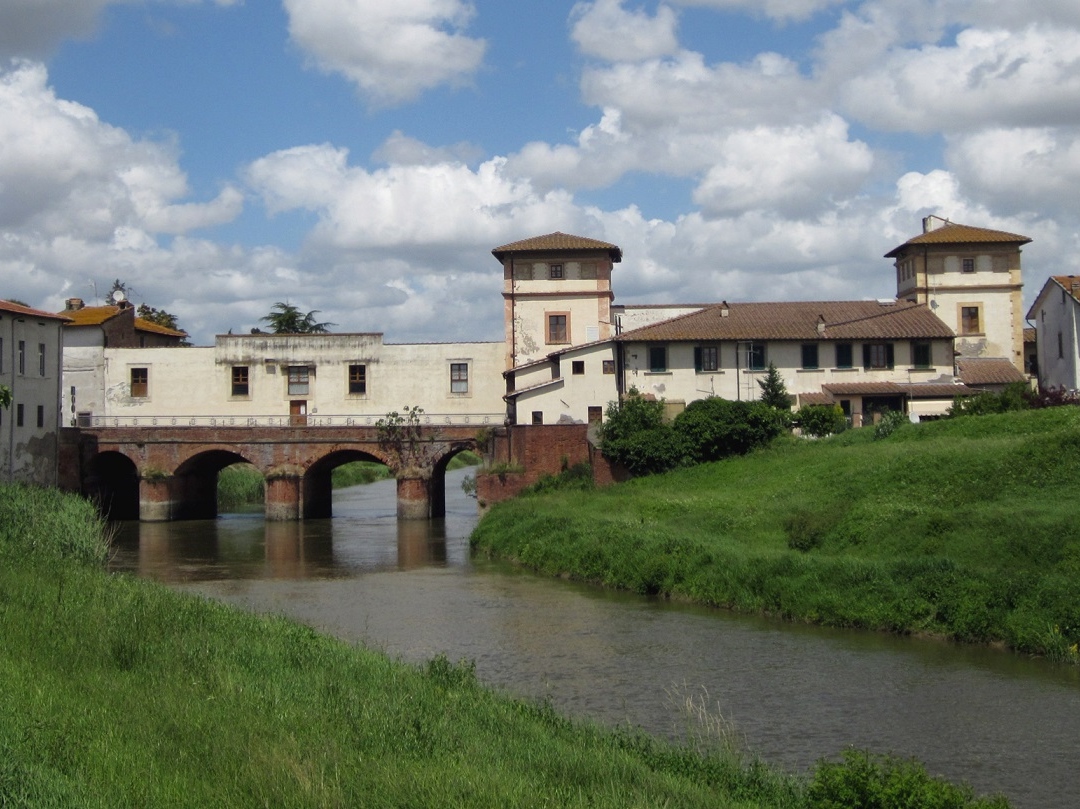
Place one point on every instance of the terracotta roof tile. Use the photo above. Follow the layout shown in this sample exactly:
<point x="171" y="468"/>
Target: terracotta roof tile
<point x="960" y="234"/>
<point x="142" y="324"/>
<point x="914" y="390"/>
<point x="19" y="309"/>
<point x="798" y="320"/>
<point x="96" y="315"/>
<point x="558" y="241"/>
<point x="976" y="371"/>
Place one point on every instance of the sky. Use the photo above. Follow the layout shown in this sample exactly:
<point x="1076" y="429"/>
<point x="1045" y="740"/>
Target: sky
<point x="361" y="158"/>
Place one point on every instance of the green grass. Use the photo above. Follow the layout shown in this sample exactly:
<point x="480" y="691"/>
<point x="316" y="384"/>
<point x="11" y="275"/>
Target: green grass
<point x="964" y="528"/>
<point x="119" y="692"/>
<point x="242" y="484"/>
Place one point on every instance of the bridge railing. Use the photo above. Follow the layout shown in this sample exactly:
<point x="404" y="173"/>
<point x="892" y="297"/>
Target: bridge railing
<point x="314" y="420"/>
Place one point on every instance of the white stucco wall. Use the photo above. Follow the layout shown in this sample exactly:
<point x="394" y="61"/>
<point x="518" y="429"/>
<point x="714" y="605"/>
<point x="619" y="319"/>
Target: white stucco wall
<point x="569" y="399"/>
<point x="198" y="381"/>
<point x="1056" y="315"/>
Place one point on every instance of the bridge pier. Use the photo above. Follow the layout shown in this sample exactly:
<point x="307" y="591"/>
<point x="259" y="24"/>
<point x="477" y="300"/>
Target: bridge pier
<point x="283" y="497"/>
<point x="156" y="499"/>
<point x="413" y="498"/>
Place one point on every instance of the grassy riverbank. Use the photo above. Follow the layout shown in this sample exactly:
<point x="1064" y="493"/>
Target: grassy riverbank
<point x="965" y="528"/>
<point x="119" y="692"/>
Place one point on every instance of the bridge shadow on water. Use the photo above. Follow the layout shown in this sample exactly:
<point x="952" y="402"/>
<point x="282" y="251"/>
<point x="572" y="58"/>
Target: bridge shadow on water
<point x="364" y="535"/>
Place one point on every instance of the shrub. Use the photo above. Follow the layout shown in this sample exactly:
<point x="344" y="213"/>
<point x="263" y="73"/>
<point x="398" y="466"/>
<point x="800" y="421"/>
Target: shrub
<point x="714" y="428"/>
<point x="635" y="435"/>
<point x="821" y="420"/>
<point x="885" y="782"/>
<point x="891" y="421"/>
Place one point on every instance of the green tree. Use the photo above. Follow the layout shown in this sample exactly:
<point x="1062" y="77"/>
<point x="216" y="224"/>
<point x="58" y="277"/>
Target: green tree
<point x="284" y="318"/>
<point x="5" y="396"/>
<point x="773" y="391"/>
<point x="713" y="428"/>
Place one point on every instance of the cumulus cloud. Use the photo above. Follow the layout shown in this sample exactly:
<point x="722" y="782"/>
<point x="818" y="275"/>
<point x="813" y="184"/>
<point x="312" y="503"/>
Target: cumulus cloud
<point x="608" y="31"/>
<point x="392" y="52"/>
<point x="797" y="171"/>
<point x="989" y="77"/>
<point x="1019" y="169"/>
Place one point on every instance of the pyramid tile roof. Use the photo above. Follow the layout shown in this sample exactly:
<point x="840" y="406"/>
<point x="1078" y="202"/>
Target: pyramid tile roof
<point x="951" y="233"/>
<point x="799" y="320"/>
<point x="558" y="241"/>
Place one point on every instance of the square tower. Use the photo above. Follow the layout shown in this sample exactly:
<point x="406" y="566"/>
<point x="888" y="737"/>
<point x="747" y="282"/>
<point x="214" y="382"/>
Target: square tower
<point x="556" y="293"/>
<point x="970" y="278"/>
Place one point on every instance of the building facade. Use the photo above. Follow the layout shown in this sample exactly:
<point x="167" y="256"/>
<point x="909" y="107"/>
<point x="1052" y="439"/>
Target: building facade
<point x="970" y="278"/>
<point x="31" y="347"/>
<point x="1056" y="313"/>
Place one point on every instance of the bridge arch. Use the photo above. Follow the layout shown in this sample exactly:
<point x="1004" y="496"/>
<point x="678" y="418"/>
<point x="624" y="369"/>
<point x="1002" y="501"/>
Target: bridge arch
<point x="438" y="474"/>
<point x="113" y="483"/>
<point x="317" y="487"/>
<point x="194" y="487"/>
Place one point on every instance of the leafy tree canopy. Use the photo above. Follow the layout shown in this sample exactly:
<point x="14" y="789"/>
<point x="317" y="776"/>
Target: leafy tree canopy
<point x="284" y="318"/>
<point x="5" y="396"/>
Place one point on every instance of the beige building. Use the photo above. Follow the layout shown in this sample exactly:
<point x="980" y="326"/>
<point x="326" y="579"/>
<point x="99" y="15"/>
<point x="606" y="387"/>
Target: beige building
<point x="282" y="379"/>
<point x="971" y="278"/>
<point x="31" y="346"/>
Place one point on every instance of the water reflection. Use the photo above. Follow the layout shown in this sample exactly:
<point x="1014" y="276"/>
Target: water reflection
<point x="796" y="693"/>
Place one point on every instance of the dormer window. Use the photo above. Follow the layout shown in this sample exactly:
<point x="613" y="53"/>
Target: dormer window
<point x="556" y="270"/>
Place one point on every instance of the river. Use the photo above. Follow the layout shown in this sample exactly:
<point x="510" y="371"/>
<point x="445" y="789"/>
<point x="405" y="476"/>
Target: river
<point x="791" y="694"/>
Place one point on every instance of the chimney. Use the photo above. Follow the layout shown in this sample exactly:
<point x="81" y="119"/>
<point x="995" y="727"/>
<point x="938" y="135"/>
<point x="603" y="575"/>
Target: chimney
<point x="933" y="222"/>
<point x="724" y="309"/>
<point x="821" y="324"/>
<point x="73" y="304"/>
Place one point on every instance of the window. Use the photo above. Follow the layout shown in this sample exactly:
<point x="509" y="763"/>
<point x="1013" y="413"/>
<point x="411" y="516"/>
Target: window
<point x="706" y="358"/>
<point x="240" y="381"/>
<point x="41" y="415"/>
<point x="658" y="359"/>
<point x="844" y="355"/>
<point x="358" y="380"/>
<point x="596" y="414"/>
<point x="299" y="380"/>
<point x="22" y="356"/>
<point x="755" y="356"/>
<point x="577" y="367"/>
<point x="140" y="383"/>
<point x="459" y="377"/>
<point x="18" y="415"/>
<point x="1061" y="348"/>
<point x="877" y="356"/>
<point x="1" y="355"/>
<point x="41" y="359"/>
<point x="810" y="356"/>
<point x="920" y="355"/>
<point x="555" y="271"/>
<point x="969" y="320"/>
<point x="967" y="265"/>
<point x="609" y="366"/>
<point x="557" y="328"/>
<point x="537" y="417"/>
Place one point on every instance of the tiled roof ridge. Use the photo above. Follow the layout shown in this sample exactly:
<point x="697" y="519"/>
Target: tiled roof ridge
<point x="956" y="232"/>
<point x="20" y="309"/>
<point x="677" y="318"/>
<point x="558" y="240"/>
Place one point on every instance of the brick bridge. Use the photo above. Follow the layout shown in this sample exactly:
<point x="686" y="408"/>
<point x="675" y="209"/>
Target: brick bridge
<point x="159" y="473"/>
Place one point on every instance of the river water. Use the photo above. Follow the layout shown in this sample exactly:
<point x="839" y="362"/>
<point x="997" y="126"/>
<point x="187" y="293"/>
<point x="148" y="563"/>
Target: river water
<point x="791" y="694"/>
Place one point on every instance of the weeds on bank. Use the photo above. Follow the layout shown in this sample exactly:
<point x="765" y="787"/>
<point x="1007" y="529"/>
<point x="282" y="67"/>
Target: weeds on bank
<point x="963" y="528"/>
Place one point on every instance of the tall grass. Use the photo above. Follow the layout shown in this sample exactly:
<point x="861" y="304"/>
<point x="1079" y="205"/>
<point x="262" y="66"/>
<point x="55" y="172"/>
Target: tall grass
<point x="964" y="528"/>
<point x="118" y="692"/>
